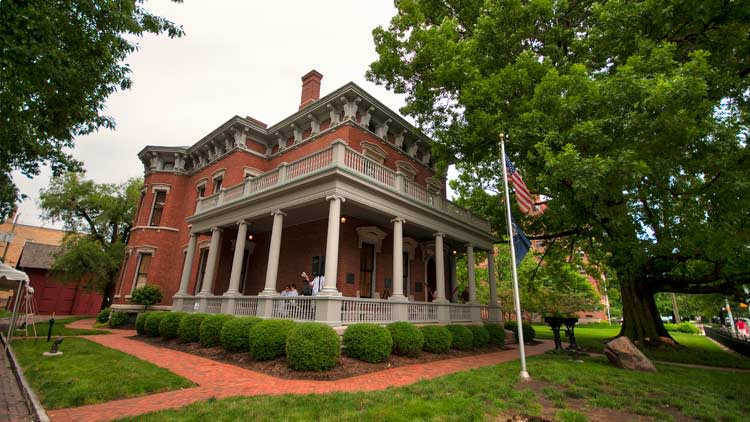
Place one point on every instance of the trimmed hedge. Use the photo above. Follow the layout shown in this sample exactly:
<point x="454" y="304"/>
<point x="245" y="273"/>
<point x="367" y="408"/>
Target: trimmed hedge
<point x="140" y="322"/>
<point x="437" y="338"/>
<point x="683" y="327"/>
<point x="152" y="323"/>
<point x="267" y="338"/>
<point x="368" y="342"/>
<point x="103" y="315"/>
<point x="407" y="339"/>
<point x="529" y="333"/>
<point x="190" y="328"/>
<point x="170" y="324"/>
<point x="118" y="319"/>
<point x="497" y="334"/>
<point x="210" y="332"/>
<point x="235" y="333"/>
<point x="480" y="335"/>
<point x="312" y="346"/>
<point x="463" y="339"/>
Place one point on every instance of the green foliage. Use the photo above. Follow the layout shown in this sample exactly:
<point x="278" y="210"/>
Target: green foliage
<point x="103" y="315"/>
<point x="462" y="338"/>
<point x="118" y="319"/>
<point x="61" y="61"/>
<point x="437" y="338"/>
<point x="408" y="340"/>
<point x="190" y="327"/>
<point x="480" y="336"/>
<point x="170" y="324"/>
<point x="683" y="327"/>
<point x="312" y="346"/>
<point x="629" y="119"/>
<point x="268" y="338"/>
<point x="98" y="217"/>
<point x="147" y="295"/>
<point x="153" y="320"/>
<point x="210" y="331"/>
<point x="235" y="333"/>
<point x="529" y="334"/>
<point x="496" y="334"/>
<point x="140" y="322"/>
<point x="367" y="342"/>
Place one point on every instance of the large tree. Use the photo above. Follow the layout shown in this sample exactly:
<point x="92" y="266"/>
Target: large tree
<point x="59" y="61"/>
<point x="628" y="119"/>
<point x="98" y="218"/>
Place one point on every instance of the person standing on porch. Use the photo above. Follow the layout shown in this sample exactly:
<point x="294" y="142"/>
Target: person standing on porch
<point x="318" y="283"/>
<point x="307" y="289"/>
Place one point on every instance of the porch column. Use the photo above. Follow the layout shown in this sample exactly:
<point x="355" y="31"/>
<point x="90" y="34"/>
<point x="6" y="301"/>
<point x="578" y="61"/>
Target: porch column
<point x="454" y="282"/>
<point x="470" y="273"/>
<point x="439" y="268"/>
<point x="398" y="260"/>
<point x="272" y="269"/>
<point x="332" y="246"/>
<point x="187" y="267"/>
<point x="239" y="253"/>
<point x="491" y="276"/>
<point x="213" y="256"/>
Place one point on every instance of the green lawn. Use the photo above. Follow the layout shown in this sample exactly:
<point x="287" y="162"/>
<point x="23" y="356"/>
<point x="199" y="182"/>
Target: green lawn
<point x="694" y="349"/>
<point x="570" y="390"/>
<point x="59" y="329"/>
<point x="4" y="313"/>
<point x="89" y="373"/>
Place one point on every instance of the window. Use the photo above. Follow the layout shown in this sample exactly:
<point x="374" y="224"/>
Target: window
<point x="406" y="274"/>
<point x="160" y="198"/>
<point x="201" y="270"/>
<point x="217" y="183"/>
<point x="144" y="261"/>
<point x="201" y="191"/>
<point x="366" y="269"/>
<point x="140" y="205"/>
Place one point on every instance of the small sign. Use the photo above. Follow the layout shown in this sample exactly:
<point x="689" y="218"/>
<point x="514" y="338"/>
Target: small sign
<point x="349" y="278"/>
<point x="196" y="306"/>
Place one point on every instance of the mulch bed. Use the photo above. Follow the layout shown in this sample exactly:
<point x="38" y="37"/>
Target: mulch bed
<point x="346" y="368"/>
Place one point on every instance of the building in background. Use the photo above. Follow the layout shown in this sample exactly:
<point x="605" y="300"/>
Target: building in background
<point x="343" y="187"/>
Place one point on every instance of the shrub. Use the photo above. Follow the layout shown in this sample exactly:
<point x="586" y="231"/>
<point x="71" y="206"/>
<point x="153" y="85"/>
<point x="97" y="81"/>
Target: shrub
<point x="463" y="339"/>
<point x="437" y="338"/>
<point x="140" y="322"/>
<point x="170" y="324"/>
<point x="480" y="335"/>
<point x="407" y="339"/>
<point x="103" y="315"/>
<point x="312" y="346"/>
<point x="146" y="295"/>
<point x="368" y="342"/>
<point x="190" y="328"/>
<point x="497" y="334"/>
<point x="152" y="323"/>
<point x="235" y="333"/>
<point x="118" y="319"/>
<point x="267" y="338"/>
<point x="210" y="332"/>
<point x="529" y="334"/>
<point x="683" y="327"/>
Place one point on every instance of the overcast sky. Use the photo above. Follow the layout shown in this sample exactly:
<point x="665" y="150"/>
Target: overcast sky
<point x="237" y="58"/>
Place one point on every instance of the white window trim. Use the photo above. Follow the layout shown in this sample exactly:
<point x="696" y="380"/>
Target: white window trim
<point x="138" y="269"/>
<point x="406" y="169"/>
<point x="250" y="171"/>
<point x="219" y="173"/>
<point x="153" y="203"/>
<point x="161" y="186"/>
<point x="373" y="151"/>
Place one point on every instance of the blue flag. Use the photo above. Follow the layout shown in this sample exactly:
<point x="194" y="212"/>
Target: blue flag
<point x="520" y="242"/>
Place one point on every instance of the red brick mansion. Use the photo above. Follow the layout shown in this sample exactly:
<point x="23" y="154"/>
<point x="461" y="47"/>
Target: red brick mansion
<point x="343" y="187"/>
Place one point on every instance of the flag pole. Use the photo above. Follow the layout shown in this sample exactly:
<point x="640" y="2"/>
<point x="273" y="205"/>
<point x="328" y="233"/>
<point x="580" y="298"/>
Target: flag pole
<point x="516" y="297"/>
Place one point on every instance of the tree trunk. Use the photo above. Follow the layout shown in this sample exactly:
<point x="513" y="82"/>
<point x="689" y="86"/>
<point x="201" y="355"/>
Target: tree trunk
<point x="641" y="320"/>
<point x="109" y="292"/>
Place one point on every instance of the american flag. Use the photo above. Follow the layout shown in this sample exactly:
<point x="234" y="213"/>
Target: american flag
<point x="525" y="202"/>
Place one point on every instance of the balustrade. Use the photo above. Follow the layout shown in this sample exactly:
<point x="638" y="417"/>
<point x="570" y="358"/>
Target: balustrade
<point x="300" y="308"/>
<point x="354" y="310"/>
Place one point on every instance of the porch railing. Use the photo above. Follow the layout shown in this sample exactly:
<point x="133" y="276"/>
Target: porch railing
<point x="354" y="310"/>
<point x="247" y="306"/>
<point x="423" y="312"/>
<point x="300" y="308"/>
<point x="213" y="306"/>
<point x="342" y="156"/>
<point x="460" y="313"/>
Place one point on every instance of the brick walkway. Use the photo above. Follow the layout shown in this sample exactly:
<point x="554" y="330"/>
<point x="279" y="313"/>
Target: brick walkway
<point x="216" y="379"/>
<point x="12" y="404"/>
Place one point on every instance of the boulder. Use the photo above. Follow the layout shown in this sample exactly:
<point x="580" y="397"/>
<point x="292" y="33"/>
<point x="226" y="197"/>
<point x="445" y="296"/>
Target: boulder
<point x="623" y="354"/>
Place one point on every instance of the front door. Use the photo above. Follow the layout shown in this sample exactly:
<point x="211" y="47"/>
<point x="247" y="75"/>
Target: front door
<point x="366" y="269"/>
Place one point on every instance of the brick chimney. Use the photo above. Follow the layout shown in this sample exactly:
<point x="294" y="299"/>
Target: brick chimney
<point x="310" y="88"/>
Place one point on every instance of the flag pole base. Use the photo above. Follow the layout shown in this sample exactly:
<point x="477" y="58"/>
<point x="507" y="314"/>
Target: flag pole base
<point x="525" y="376"/>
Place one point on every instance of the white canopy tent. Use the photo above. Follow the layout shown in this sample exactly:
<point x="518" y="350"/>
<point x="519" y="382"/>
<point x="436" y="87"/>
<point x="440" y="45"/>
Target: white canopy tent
<point x="11" y="278"/>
